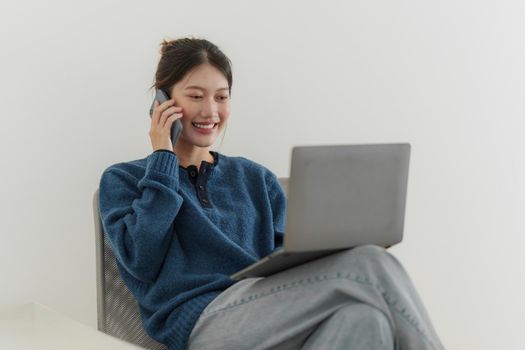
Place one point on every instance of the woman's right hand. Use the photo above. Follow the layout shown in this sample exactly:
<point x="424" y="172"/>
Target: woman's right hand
<point x="162" y="118"/>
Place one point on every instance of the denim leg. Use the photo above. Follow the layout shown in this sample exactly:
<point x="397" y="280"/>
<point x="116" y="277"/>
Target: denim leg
<point x="392" y="291"/>
<point x="355" y="326"/>
<point x="281" y="311"/>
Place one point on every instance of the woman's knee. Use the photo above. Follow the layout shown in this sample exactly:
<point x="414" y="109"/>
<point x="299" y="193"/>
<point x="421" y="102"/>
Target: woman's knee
<point x="367" y="259"/>
<point x="370" y="249"/>
<point x="368" y="252"/>
<point x="365" y="321"/>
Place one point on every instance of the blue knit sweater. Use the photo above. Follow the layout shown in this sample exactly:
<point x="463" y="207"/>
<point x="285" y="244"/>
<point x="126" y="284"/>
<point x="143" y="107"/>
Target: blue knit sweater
<point x="179" y="233"/>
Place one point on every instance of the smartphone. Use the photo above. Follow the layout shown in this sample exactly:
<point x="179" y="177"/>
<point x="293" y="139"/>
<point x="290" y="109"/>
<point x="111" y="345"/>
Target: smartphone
<point x="176" y="128"/>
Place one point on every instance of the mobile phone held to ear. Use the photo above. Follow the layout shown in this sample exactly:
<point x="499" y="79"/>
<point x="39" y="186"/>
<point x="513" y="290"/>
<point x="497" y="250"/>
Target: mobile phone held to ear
<point x="176" y="128"/>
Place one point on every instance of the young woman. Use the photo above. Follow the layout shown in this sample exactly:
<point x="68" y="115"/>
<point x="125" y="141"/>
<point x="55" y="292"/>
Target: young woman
<point x="183" y="219"/>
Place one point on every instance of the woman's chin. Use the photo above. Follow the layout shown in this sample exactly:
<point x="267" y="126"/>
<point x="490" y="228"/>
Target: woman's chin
<point x="199" y="141"/>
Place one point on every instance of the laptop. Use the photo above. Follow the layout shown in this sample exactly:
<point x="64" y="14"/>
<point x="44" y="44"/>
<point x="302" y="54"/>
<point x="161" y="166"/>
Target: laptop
<point x="339" y="197"/>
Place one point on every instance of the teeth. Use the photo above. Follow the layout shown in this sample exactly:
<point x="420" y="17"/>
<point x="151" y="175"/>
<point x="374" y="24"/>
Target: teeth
<point x="203" y="126"/>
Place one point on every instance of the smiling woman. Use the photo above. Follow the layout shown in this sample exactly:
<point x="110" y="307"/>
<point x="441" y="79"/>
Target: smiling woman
<point x="198" y="78"/>
<point x="184" y="219"/>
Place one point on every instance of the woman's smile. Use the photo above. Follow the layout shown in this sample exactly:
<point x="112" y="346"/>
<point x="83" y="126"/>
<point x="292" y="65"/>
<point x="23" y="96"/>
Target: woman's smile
<point x="205" y="128"/>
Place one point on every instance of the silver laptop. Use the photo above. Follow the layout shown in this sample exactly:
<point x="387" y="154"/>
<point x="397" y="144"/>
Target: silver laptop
<point x="339" y="196"/>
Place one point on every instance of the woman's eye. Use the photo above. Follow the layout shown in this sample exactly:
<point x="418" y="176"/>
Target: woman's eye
<point x="223" y="98"/>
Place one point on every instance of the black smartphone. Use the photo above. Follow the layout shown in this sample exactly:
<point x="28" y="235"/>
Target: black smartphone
<point x="176" y="128"/>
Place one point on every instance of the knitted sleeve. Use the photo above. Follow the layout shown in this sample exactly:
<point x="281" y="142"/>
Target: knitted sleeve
<point x="138" y="213"/>
<point x="278" y="204"/>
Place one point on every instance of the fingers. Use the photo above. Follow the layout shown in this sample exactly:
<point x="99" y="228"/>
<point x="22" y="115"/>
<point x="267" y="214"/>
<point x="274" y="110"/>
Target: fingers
<point x="162" y="118"/>
<point x="164" y="115"/>
<point x="168" y="113"/>
<point x="159" y="116"/>
<point x="171" y="119"/>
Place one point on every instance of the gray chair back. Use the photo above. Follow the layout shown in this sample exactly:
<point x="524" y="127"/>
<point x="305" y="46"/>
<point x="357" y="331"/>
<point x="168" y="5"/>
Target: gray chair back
<point x="118" y="312"/>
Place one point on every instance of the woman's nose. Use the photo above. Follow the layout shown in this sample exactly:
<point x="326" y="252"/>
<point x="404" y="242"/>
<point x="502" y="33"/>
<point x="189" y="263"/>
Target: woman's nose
<point x="210" y="108"/>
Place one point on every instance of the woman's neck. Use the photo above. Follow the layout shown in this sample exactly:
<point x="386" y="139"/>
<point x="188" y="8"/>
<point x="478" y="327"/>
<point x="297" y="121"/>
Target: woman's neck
<point x="192" y="155"/>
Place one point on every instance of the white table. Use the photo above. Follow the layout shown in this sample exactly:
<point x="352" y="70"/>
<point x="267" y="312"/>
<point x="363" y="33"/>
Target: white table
<point x="36" y="326"/>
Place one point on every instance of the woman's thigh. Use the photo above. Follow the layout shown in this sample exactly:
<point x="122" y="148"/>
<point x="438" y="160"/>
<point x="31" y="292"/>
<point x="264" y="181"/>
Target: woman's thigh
<point x="280" y="311"/>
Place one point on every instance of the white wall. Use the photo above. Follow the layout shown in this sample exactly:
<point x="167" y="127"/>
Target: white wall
<point x="446" y="76"/>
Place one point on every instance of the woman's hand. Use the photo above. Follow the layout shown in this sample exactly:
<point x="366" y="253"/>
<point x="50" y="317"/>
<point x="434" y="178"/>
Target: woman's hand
<point x="162" y="119"/>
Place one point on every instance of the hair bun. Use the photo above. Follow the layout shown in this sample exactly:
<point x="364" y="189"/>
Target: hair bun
<point x="165" y="45"/>
<point x="179" y="56"/>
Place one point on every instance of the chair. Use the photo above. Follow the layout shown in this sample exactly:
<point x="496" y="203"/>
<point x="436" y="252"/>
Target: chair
<point x="118" y="312"/>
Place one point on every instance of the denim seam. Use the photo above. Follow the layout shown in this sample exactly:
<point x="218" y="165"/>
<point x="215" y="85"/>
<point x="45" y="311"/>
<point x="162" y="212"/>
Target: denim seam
<point x="318" y="278"/>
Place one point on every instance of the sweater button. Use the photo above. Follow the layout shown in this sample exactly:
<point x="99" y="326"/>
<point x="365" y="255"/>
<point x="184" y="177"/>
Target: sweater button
<point x="205" y="201"/>
<point x="192" y="173"/>
<point x="201" y="187"/>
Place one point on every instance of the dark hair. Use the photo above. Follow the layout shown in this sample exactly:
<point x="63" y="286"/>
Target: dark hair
<point x="179" y="56"/>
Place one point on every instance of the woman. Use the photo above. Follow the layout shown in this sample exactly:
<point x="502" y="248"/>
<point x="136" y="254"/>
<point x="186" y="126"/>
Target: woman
<point x="183" y="219"/>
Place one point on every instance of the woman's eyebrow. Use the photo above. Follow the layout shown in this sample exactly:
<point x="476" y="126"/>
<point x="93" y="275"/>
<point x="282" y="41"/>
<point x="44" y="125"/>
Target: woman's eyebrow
<point x="200" y="88"/>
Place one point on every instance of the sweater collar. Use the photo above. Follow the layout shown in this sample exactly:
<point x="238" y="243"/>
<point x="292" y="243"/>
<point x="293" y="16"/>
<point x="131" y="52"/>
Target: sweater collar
<point x="205" y="163"/>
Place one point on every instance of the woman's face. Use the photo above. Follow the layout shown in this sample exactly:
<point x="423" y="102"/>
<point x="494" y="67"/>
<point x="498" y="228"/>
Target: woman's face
<point x="204" y="97"/>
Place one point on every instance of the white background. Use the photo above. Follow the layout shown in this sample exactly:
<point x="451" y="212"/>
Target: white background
<point x="447" y="76"/>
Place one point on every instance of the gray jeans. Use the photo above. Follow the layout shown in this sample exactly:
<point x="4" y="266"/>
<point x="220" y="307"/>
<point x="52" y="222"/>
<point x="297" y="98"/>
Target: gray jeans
<point x="360" y="298"/>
